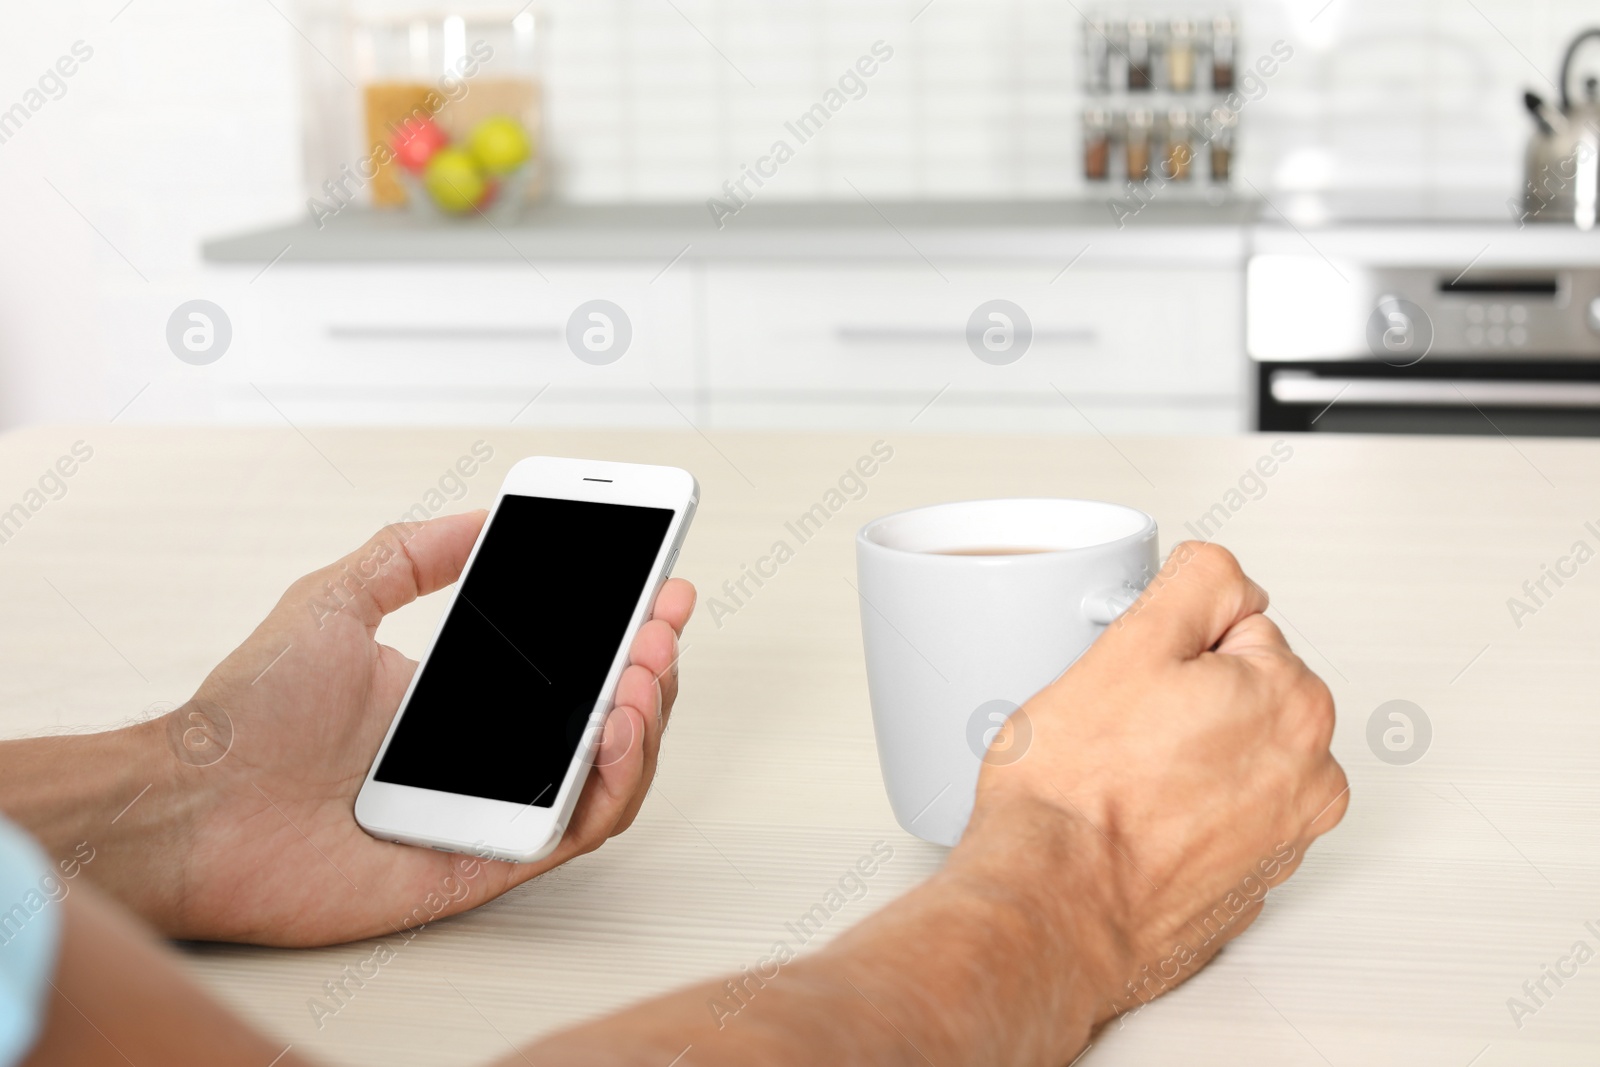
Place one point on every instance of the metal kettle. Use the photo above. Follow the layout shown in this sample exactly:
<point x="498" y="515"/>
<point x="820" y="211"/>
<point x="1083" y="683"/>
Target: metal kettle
<point x="1563" y="160"/>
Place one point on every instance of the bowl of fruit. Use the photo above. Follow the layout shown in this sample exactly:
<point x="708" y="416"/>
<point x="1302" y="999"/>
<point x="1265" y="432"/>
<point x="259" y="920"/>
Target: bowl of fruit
<point x="486" y="174"/>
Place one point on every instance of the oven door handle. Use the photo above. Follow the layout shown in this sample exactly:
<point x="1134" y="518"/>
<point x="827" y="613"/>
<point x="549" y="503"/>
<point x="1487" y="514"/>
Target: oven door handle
<point x="1295" y="387"/>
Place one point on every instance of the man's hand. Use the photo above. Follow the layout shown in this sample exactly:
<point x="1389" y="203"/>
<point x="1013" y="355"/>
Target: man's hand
<point x="262" y="844"/>
<point x="1176" y="772"/>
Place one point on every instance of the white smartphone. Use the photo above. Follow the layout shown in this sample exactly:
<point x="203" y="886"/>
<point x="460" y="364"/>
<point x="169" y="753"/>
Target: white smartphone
<point x="496" y="734"/>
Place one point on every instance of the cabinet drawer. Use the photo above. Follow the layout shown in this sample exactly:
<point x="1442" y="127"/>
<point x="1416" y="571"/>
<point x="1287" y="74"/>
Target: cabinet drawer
<point x="901" y="328"/>
<point x="463" y="327"/>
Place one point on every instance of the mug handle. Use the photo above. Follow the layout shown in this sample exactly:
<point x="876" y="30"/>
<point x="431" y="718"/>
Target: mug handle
<point x="1103" y="607"/>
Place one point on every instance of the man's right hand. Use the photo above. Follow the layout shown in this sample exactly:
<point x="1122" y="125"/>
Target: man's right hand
<point x="1174" y="773"/>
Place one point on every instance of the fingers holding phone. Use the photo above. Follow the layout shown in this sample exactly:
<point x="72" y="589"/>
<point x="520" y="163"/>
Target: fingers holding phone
<point x="645" y="696"/>
<point x="492" y="746"/>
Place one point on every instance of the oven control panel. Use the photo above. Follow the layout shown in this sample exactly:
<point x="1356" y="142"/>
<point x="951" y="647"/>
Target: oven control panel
<point x="1304" y="308"/>
<point x="1498" y="325"/>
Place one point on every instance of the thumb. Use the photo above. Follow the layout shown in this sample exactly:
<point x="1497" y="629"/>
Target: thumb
<point x="400" y="563"/>
<point x="1199" y="594"/>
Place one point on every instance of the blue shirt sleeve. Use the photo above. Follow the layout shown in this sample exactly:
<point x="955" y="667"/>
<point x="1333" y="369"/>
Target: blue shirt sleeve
<point x="31" y="892"/>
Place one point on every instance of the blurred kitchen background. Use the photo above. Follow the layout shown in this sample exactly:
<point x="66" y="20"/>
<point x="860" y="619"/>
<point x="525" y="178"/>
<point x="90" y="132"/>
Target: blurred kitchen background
<point x="1004" y="215"/>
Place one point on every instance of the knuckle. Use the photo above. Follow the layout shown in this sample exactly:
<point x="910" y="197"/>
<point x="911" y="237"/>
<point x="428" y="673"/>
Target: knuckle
<point x="1329" y="813"/>
<point x="391" y="541"/>
<point x="1316" y="706"/>
<point x="1182" y="554"/>
<point x="1317" y="693"/>
<point x="1215" y="562"/>
<point x="1341" y="783"/>
<point x="1274" y="633"/>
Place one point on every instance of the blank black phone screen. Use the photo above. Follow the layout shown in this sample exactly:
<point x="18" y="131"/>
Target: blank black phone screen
<point x="518" y="666"/>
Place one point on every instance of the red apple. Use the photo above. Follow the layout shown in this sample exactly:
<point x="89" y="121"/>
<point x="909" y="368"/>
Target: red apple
<point x="415" y="141"/>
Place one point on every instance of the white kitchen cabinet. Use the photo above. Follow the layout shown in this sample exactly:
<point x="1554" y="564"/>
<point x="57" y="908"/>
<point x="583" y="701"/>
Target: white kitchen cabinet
<point x="1118" y="347"/>
<point x="1115" y="349"/>
<point x="450" y="342"/>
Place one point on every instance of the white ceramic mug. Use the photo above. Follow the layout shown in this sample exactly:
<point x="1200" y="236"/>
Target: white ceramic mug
<point x="955" y="642"/>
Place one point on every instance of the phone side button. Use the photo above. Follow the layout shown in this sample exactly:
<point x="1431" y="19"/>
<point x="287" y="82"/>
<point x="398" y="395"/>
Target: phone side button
<point x="670" y="561"/>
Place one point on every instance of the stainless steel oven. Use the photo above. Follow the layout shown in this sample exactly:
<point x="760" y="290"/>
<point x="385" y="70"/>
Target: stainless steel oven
<point x="1450" y="348"/>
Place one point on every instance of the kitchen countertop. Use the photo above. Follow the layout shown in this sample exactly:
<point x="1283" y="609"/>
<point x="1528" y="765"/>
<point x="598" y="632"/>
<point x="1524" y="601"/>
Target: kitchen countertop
<point x="884" y="230"/>
<point x="1372" y="227"/>
<point x="1475" y="245"/>
<point x="1390" y="562"/>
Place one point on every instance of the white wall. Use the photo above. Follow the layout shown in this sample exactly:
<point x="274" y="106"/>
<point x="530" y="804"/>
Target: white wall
<point x="185" y="124"/>
<point x="982" y="97"/>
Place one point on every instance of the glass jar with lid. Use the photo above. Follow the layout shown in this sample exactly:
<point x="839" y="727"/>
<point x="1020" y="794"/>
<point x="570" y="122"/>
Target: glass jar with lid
<point x="1136" y="143"/>
<point x="1177" y="146"/>
<point x="1223" y="44"/>
<point x="1222" y="127"/>
<point x="455" y="69"/>
<point x="1139" y="53"/>
<point x="1180" y="56"/>
<point x="1096" y="144"/>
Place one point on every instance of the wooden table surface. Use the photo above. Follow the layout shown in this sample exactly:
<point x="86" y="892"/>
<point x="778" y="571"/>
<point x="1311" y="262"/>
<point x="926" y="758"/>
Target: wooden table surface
<point x="1453" y="880"/>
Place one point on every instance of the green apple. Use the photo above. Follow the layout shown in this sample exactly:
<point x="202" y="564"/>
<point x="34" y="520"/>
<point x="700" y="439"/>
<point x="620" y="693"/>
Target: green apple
<point x="454" y="180"/>
<point x="500" y="144"/>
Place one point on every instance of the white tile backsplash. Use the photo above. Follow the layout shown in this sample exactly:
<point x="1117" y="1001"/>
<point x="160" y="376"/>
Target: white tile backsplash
<point x="982" y="96"/>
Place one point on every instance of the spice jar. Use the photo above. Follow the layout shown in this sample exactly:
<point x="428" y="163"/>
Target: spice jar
<point x="1223" y="124"/>
<point x="1177" y="152"/>
<point x="1097" y="57"/>
<point x="1223" y="42"/>
<point x="1180" y="56"/>
<point x="1096" y="144"/>
<point x="1136" y="144"/>
<point x="1138" y="54"/>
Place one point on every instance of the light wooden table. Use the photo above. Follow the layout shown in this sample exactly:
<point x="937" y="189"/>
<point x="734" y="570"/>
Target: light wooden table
<point x="1451" y="882"/>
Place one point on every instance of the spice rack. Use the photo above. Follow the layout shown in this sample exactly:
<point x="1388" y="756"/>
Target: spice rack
<point x="1155" y="93"/>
